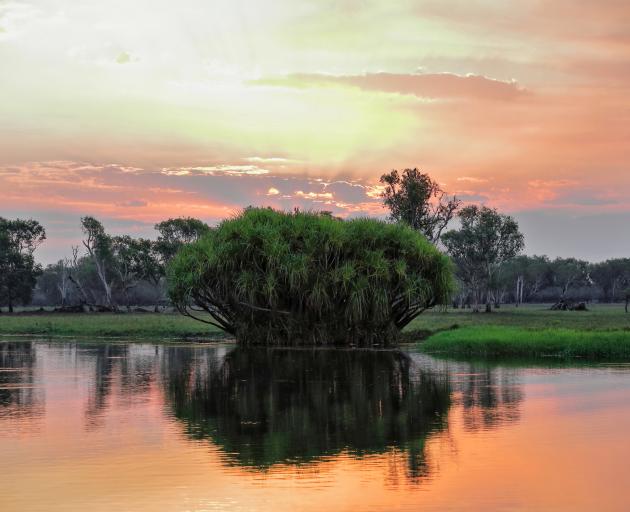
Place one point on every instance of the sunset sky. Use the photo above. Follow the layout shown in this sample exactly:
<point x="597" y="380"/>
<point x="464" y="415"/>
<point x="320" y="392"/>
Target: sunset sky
<point x="136" y="111"/>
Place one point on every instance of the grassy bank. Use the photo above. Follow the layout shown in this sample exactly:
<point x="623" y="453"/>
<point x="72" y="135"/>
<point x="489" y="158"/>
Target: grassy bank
<point x="173" y="325"/>
<point x="131" y="325"/>
<point x="531" y="316"/>
<point x="501" y="341"/>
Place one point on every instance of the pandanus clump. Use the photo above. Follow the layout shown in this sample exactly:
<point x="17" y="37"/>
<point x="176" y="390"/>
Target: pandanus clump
<point x="275" y="278"/>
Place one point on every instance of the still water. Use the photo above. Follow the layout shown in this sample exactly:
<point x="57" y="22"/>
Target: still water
<point x="142" y="427"/>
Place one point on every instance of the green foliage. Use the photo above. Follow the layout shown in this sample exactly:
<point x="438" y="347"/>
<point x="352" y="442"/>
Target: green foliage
<point x="174" y="233"/>
<point x="485" y="240"/>
<point x="303" y="278"/>
<point x="18" y="270"/>
<point x="612" y="276"/>
<point x="515" y="341"/>
<point x="569" y="272"/>
<point x="415" y="199"/>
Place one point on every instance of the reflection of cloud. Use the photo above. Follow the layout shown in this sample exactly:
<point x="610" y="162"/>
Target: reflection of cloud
<point x="423" y="85"/>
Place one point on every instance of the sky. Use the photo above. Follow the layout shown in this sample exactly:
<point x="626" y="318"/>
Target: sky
<point x="137" y="111"/>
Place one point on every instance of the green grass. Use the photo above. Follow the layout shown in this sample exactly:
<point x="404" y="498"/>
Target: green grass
<point x="131" y="325"/>
<point x="499" y="341"/>
<point x="531" y="331"/>
<point x="527" y="331"/>
<point x="535" y="316"/>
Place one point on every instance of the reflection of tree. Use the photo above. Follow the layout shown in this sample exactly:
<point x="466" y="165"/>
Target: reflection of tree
<point x="490" y="397"/>
<point x="104" y="358"/>
<point x="18" y="395"/>
<point x="270" y="406"/>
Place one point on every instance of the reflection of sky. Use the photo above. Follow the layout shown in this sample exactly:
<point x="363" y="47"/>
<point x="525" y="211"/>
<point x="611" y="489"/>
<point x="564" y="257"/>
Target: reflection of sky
<point x="566" y="448"/>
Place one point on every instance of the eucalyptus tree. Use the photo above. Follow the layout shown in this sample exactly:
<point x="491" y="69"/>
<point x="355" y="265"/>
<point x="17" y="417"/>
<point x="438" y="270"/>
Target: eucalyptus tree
<point x="485" y="240"/>
<point x="569" y="273"/>
<point x="55" y="283"/>
<point x="612" y="276"/>
<point x="175" y="233"/>
<point x="99" y="248"/>
<point x="19" y="239"/>
<point x="527" y="276"/>
<point x="269" y="277"/>
<point x="415" y="199"/>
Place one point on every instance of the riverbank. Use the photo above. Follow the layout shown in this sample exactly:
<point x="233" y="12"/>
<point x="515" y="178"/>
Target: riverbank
<point x="128" y="325"/>
<point x="531" y="330"/>
<point x="504" y="341"/>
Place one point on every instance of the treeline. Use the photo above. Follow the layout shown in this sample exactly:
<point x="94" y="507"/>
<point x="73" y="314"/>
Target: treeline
<point x="104" y="273"/>
<point x="108" y="272"/>
<point x="539" y="279"/>
<point x="487" y="249"/>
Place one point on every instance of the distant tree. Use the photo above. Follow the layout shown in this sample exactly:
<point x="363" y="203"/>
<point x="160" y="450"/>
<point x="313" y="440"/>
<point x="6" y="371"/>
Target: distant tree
<point x="153" y="270"/>
<point x="127" y="263"/>
<point x="18" y="271"/>
<point x="415" y="199"/>
<point x="99" y="248"/>
<point x="174" y="233"/>
<point x="55" y="282"/>
<point x="612" y="276"/>
<point x="526" y="275"/>
<point x="485" y="240"/>
<point x="569" y="273"/>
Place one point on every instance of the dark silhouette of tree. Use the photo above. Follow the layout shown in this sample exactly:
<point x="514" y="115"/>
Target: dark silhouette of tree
<point x="18" y="270"/>
<point x="415" y="199"/>
<point x="485" y="240"/>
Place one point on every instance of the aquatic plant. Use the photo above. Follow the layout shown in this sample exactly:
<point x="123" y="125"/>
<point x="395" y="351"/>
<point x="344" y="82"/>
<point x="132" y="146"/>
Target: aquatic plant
<point x="270" y="277"/>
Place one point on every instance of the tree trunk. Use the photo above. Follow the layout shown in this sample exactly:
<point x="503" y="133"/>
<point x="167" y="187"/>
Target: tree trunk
<point x="475" y="300"/>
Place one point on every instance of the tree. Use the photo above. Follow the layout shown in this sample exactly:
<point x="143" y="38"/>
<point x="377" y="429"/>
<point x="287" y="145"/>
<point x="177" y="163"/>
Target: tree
<point x="415" y="199"/>
<point x="526" y="275"/>
<point x="175" y="233"/>
<point x="485" y="240"/>
<point x="55" y="282"/>
<point x="153" y="270"/>
<point x="568" y="273"/>
<point x="612" y="276"/>
<point x="99" y="247"/>
<point x="127" y="263"/>
<point x="18" y="271"/>
<point x="269" y="277"/>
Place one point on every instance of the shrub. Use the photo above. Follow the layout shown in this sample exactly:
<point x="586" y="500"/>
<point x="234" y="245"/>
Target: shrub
<point x="276" y="278"/>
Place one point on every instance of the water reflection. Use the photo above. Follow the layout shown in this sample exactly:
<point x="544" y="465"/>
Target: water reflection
<point x="156" y="427"/>
<point x="490" y="397"/>
<point x="292" y="406"/>
<point x="19" y="395"/>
